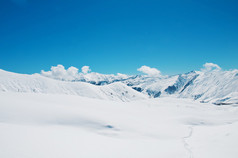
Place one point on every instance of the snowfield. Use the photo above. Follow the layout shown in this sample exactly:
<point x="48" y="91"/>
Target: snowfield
<point x="106" y="116"/>
<point x="58" y="126"/>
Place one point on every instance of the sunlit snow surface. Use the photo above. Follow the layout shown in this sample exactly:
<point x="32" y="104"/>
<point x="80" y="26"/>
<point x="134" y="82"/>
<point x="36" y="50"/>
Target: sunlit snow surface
<point x="35" y="125"/>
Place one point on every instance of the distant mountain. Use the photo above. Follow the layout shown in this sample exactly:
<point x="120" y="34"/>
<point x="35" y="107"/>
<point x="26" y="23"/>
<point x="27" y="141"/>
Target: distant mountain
<point x="36" y="83"/>
<point x="218" y="87"/>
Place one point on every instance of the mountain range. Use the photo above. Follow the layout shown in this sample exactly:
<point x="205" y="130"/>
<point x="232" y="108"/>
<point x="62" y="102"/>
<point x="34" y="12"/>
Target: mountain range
<point x="215" y="86"/>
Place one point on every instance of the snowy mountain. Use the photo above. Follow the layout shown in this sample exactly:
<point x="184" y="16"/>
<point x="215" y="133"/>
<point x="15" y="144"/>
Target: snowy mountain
<point x="207" y="85"/>
<point x="210" y="84"/>
<point x="59" y="116"/>
<point x="37" y="83"/>
<point x="219" y="87"/>
<point x="160" y="86"/>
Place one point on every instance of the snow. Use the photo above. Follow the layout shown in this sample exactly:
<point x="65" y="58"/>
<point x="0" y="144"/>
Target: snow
<point x="215" y="87"/>
<point x="12" y="82"/>
<point x="42" y="117"/>
<point x="209" y="84"/>
<point x="58" y="125"/>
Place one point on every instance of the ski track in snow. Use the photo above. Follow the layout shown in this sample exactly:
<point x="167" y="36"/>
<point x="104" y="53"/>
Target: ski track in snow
<point x="186" y="145"/>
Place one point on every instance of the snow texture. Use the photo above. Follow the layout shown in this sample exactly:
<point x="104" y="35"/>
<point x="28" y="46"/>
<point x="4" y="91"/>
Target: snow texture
<point x="58" y="125"/>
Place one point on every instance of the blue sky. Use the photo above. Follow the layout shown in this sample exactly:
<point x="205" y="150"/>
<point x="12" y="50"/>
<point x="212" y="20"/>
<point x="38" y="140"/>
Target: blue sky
<point x="111" y="36"/>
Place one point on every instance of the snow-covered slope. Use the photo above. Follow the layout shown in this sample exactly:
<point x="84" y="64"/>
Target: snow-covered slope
<point x="91" y="121"/>
<point x="160" y="86"/>
<point x="215" y="86"/>
<point x="35" y="125"/>
<point x="220" y="87"/>
<point x="38" y="84"/>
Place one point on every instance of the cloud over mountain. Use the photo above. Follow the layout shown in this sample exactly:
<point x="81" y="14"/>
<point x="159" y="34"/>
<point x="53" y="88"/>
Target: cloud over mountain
<point x="210" y="67"/>
<point x="152" y="72"/>
<point x="73" y="74"/>
<point x="85" y="69"/>
<point x="59" y="72"/>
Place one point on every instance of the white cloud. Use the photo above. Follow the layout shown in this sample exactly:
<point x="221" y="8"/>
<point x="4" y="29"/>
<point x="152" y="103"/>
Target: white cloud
<point x="59" y="72"/>
<point x="210" y="67"/>
<point x="152" y="72"/>
<point x="85" y="69"/>
<point x="73" y="71"/>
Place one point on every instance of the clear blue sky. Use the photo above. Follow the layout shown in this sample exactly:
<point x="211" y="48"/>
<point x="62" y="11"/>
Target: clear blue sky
<point x="111" y="36"/>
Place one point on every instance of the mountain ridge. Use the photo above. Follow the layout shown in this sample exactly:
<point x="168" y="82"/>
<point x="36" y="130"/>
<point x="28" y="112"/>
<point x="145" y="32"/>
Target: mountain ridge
<point x="216" y="86"/>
